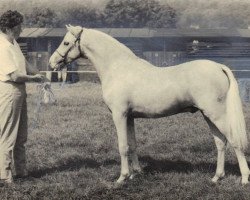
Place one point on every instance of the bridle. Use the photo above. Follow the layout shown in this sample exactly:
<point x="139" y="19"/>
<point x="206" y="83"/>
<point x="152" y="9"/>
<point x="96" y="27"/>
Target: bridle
<point x="82" y="54"/>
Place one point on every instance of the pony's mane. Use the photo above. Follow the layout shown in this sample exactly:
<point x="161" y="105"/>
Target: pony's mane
<point x="112" y="41"/>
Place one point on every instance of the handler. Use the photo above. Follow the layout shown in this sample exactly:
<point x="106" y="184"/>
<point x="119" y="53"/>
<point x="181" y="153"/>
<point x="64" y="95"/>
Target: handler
<point x="13" y="107"/>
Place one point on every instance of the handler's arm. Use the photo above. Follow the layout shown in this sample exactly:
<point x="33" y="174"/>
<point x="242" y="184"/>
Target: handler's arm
<point x="31" y="69"/>
<point x="21" y="78"/>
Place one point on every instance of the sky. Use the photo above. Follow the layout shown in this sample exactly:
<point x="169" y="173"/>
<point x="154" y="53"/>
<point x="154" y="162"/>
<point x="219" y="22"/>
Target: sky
<point x="92" y="3"/>
<point x="101" y="3"/>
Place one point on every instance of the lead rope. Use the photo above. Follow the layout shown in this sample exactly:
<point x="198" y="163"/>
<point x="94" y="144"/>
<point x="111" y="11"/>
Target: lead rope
<point x="45" y="97"/>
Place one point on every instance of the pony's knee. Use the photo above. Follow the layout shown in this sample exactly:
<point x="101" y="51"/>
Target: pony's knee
<point x="220" y="143"/>
<point x="221" y="146"/>
<point x="124" y="150"/>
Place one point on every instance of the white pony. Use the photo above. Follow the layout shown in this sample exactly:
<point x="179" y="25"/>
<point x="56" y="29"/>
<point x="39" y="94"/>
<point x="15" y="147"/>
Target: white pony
<point x="133" y="88"/>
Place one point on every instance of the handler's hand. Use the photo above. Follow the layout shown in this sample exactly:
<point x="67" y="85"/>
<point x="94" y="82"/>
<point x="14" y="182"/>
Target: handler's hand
<point x="46" y="80"/>
<point x="38" y="78"/>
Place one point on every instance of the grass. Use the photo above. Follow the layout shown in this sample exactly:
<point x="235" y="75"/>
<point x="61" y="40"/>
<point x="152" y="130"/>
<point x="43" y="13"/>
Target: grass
<point x="72" y="153"/>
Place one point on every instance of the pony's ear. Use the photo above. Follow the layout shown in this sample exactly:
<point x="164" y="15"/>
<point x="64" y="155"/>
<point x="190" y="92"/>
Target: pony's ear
<point x="68" y="27"/>
<point x="75" y="30"/>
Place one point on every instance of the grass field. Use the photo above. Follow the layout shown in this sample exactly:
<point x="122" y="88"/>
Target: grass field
<point x="72" y="154"/>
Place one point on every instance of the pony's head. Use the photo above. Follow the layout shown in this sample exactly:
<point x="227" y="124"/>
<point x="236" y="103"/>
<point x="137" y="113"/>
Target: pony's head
<point x="69" y="49"/>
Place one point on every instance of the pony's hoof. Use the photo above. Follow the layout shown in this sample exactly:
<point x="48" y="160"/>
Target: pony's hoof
<point x="117" y="185"/>
<point x="244" y="181"/>
<point x="218" y="177"/>
<point x="137" y="169"/>
<point x="215" y="179"/>
<point x="120" y="182"/>
<point x="135" y="174"/>
<point x="122" y="179"/>
<point x="132" y="176"/>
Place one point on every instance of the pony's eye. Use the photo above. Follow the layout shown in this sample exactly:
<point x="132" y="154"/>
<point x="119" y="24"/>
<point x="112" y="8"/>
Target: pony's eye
<point x="66" y="43"/>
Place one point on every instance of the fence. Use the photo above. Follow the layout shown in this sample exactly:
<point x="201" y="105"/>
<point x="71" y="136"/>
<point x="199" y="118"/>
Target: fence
<point x="63" y="75"/>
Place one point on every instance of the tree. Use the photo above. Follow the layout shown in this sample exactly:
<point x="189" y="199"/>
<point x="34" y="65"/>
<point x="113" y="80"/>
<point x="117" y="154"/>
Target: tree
<point x="162" y="17"/>
<point x="213" y="13"/>
<point x="41" y="17"/>
<point x="138" y="13"/>
<point x="82" y="16"/>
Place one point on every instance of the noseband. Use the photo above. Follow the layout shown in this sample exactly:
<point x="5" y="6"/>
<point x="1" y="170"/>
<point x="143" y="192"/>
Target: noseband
<point x="79" y="48"/>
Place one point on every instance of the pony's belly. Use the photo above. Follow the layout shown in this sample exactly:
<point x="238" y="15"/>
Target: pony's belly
<point x="149" y="115"/>
<point x="155" y="113"/>
<point x="161" y="110"/>
<point x="136" y="114"/>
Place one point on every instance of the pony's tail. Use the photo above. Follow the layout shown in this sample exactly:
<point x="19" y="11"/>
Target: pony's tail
<point x="237" y="126"/>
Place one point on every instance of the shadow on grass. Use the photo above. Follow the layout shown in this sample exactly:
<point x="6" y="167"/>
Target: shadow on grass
<point x="152" y="166"/>
<point x="162" y="166"/>
<point x="71" y="165"/>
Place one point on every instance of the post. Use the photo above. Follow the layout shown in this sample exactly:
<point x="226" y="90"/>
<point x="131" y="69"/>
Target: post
<point x="64" y="74"/>
<point x="49" y="52"/>
<point x="49" y="75"/>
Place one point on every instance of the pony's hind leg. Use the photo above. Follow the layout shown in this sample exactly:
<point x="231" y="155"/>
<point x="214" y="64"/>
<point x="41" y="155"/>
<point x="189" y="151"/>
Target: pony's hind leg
<point x="220" y="142"/>
<point x="132" y="147"/>
<point x="220" y="169"/>
<point x="220" y="123"/>
<point x="244" y="170"/>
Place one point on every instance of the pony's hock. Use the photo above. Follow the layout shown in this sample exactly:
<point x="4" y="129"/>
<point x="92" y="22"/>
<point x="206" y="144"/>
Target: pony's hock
<point x="133" y="88"/>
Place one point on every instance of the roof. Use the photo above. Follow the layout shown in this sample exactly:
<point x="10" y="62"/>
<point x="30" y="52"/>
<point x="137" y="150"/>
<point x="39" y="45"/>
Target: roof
<point x="34" y="32"/>
<point x="56" y="32"/>
<point x="142" y="32"/>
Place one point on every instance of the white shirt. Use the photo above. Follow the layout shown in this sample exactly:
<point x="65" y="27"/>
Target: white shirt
<point x="11" y="59"/>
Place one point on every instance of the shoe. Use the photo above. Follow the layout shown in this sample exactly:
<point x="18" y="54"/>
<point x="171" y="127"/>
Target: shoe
<point x="20" y="176"/>
<point x="6" y="182"/>
<point x="2" y="184"/>
<point x="23" y="174"/>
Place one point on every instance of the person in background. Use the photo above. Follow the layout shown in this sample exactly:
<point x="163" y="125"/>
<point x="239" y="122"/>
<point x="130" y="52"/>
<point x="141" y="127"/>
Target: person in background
<point x="72" y="76"/>
<point x="66" y="76"/>
<point x="14" y="72"/>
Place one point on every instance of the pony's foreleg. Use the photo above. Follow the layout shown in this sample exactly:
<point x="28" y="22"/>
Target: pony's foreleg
<point x="132" y="147"/>
<point x="121" y="126"/>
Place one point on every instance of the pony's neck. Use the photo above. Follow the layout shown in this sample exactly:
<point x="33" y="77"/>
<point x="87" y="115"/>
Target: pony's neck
<point x="103" y="50"/>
